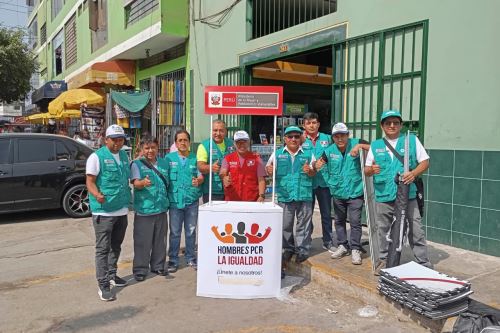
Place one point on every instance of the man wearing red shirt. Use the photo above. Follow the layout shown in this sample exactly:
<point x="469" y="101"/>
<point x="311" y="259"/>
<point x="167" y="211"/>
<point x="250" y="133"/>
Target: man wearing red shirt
<point x="242" y="172"/>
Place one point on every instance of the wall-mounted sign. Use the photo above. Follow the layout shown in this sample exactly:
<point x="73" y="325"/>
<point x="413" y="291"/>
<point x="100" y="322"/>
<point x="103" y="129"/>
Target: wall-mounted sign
<point x="290" y="109"/>
<point x="283" y="48"/>
<point x="244" y="100"/>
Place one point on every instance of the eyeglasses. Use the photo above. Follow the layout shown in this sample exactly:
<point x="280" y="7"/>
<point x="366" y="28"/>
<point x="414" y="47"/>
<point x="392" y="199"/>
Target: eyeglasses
<point x="392" y="123"/>
<point x="296" y="136"/>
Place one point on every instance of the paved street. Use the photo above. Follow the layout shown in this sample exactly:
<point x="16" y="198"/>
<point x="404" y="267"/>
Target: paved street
<point x="47" y="285"/>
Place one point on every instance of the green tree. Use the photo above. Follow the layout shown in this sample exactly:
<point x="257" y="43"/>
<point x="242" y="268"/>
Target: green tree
<point x="17" y="65"/>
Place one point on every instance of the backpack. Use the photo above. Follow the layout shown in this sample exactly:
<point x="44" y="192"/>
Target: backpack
<point x="477" y="317"/>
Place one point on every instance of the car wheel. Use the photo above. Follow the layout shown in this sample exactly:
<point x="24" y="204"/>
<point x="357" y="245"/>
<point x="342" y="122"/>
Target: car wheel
<point x="76" y="201"/>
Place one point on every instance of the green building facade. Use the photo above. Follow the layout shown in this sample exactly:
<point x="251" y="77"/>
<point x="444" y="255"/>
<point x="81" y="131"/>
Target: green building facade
<point x="435" y="61"/>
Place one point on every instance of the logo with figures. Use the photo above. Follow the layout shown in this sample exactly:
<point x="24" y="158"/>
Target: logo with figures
<point x="240" y="235"/>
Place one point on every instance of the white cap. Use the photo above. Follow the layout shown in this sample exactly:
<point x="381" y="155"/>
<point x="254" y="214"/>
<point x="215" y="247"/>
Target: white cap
<point x="52" y="122"/>
<point x="340" y="128"/>
<point x="115" y="131"/>
<point x="241" y="135"/>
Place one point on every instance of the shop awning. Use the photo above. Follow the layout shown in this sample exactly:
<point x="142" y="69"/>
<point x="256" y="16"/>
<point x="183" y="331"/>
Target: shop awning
<point x="72" y="99"/>
<point x="38" y="118"/>
<point x="115" y="72"/>
<point x="49" y="90"/>
<point x="132" y="102"/>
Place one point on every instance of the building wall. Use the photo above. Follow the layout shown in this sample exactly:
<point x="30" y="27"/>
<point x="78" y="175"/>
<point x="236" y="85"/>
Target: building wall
<point x="462" y="103"/>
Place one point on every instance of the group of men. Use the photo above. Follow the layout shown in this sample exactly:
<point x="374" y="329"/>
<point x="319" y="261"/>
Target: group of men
<point x="310" y="165"/>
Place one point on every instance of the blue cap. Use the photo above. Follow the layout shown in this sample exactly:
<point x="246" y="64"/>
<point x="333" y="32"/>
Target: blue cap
<point x="291" y="129"/>
<point x="390" y="113"/>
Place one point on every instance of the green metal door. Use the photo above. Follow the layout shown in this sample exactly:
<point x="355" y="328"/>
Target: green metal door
<point x="380" y="71"/>
<point x="232" y="77"/>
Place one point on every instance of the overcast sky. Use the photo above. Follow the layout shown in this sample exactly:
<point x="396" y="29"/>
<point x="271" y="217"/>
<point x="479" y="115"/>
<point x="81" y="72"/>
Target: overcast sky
<point x="13" y="13"/>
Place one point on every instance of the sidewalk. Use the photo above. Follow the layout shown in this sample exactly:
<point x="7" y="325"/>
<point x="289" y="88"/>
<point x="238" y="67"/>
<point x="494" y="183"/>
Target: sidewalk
<point x="481" y="270"/>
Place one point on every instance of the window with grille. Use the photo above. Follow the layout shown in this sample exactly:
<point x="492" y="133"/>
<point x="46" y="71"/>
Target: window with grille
<point x="138" y="9"/>
<point x="70" y="39"/>
<point x="167" y="55"/>
<point x="43" y="34"/>
<point x="268" y="16"/>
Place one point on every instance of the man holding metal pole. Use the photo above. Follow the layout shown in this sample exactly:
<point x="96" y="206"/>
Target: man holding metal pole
<point x="397" y="212"/>
<point x="221" y="146"/>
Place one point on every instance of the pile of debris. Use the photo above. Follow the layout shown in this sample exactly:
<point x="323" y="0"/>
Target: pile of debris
<point x="425" y="291"/>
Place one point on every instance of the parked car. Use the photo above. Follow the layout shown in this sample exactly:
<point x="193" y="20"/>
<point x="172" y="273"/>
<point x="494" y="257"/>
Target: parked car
<point x="43" y="171"/>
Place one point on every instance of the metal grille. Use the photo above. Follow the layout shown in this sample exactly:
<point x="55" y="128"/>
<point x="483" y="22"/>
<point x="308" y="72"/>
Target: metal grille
<point x="231" y="77"/>
<point x="268" y="16"/>
<point x="71" y="43"/>
<point x="170" y="108"/>
<point x="167" y="55"/>
<point x="138" y="9"/>
<point x="43" y="34"/>
<point x="380" y="71"/>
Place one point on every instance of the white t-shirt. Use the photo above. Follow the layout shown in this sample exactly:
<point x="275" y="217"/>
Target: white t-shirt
<point x="93" y="168"/>
<point x="420" y="150"/>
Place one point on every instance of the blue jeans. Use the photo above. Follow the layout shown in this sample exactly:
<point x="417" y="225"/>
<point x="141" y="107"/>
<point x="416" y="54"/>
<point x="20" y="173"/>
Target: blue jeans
<point x="325" y="207"/>
<point x="187" y="216"/>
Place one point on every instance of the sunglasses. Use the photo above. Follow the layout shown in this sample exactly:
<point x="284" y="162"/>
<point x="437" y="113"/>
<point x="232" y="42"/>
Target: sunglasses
<point x="295" y="136"/>
<point x="392" y="123"/>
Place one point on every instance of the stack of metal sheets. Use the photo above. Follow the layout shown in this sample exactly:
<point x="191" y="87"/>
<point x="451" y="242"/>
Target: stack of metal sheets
<point x="424" y="290"/>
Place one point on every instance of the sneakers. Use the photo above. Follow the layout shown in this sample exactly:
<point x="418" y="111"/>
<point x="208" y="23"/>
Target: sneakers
<point x="105" y="293"/>
<point x="329" y="247"/>
<point x="340" y="252"/>
<point x="118" y="282"/>
<point x="356" y="257"/>
<point x="192" y="264"/>
<point x="172" y="267"/>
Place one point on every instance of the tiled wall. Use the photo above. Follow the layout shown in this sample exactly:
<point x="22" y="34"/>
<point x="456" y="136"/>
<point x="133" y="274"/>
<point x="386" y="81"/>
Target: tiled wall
<point x="463" y="199"/>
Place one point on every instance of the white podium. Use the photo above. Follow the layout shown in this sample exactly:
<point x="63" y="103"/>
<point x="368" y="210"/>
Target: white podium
<point x="239" y="250"/>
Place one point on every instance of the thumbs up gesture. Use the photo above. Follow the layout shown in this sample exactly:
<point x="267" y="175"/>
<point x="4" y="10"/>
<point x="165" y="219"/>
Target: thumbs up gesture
<point x="215" y="167"/>
<point x="319" y="163"/>
<point x="146" y="181"/>
<point x="306" y="167"/>
<point x="227" y="180"/>
<point x="375" y="168"/>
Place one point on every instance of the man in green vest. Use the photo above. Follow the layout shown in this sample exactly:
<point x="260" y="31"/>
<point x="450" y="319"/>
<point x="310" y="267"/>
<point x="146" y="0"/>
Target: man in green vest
<point x="317" y="142"/>
<point x="384" y="166"/>
<point x="294" y="181"/>
<point x="108" y="173"/>
<point x="221" y="146"/>
<point x="149" y="176"/>
<point x="346" y="187"/>
<point x="184" y="193"/>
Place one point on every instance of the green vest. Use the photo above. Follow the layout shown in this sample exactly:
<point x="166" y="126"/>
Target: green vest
<point x="217" y="154"/>
<point x="181" y="192"/>
<point x="323" y="142"/>
<point x="384" y="183"/>
<point x="345" y="180"/>
<point x="293" y="184"/>
<point x="152" y="199"/>
<point x="112" y="181"/>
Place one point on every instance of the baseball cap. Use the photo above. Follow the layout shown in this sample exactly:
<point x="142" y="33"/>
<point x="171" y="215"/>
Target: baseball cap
<point x="291" y="129"/>
<point x="115" y="131"/>
<point x="390" y="113"/>
<point x="340" y="128"/>
<point x="241" y="135"/>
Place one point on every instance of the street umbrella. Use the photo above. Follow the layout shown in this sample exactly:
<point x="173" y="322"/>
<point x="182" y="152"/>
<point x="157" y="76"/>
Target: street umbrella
<point x="399" y="226"/>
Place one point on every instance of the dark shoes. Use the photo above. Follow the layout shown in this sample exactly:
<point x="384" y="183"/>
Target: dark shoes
<point x="118" y="282"/>
<point x="140" y="277"/>
<point x="171" y="267"/>
<point x="160" y="272"/>
<point x="105" y="293"/>
<point x="379" y="266"/>
<point x="301" y="258"/>
<point x="193" y="265"/>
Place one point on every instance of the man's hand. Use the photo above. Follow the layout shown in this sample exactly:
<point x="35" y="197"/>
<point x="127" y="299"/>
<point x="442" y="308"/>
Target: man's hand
<point x="355" y="150"/>
<point x="319" y="163"/>
<point x="375" y="168"/>
<point x="408" y="177"/>
<point x="260" y="199"/>
<point x="146" y="182"/>
<point x="306" y="168"/>
<point x="100" y="198"/>
<point x="215" y="167"/>
<point x="269" y="169"/>
<point x="226" y="180"/>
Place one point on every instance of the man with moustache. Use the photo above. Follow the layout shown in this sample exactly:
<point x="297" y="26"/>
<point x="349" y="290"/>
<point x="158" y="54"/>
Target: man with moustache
<point x="221" y="146"/>
<point x="108" y="174"/>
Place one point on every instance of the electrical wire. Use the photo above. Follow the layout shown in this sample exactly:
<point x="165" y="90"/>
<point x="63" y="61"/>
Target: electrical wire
<point x="217" y="20"/>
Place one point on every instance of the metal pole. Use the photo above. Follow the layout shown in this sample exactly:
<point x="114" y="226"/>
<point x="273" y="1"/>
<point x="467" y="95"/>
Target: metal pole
<point x="210" y="162"/>
<point x="274" y="163"/>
